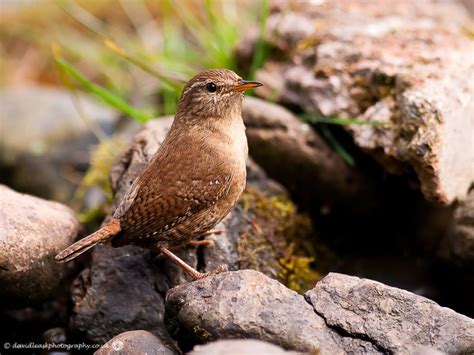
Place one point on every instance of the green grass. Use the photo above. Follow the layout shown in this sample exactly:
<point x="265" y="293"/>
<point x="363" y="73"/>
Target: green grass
<point x="196" y="35"/>
<point x="317" y="118"/>
<point x="102" y="93"/>
<point x="323" y="121"/>
<point x="338" y="147"/>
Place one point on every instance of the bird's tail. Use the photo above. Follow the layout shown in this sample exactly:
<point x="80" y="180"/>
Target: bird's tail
<point x="102" y="235"/>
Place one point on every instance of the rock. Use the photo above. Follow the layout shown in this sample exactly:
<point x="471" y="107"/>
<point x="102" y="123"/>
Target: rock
<point x="241" y="347"/>
<point x="136" y="342"/>
<point x="117" y="293"/>
<point x="291" y="152"/>
<point x="32" y="232"/>
<point x="394" y="320"/>
<point x="403" y="64"/>
<point x="247" y="304"/>
<point x="46" y="143"/>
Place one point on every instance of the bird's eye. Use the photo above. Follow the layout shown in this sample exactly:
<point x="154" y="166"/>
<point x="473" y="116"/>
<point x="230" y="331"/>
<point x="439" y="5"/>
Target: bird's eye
<point x="211" y="87"/>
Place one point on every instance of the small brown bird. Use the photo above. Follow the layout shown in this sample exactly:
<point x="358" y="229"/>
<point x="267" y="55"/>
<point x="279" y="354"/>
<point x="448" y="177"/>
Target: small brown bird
<point x="193" y="180"/>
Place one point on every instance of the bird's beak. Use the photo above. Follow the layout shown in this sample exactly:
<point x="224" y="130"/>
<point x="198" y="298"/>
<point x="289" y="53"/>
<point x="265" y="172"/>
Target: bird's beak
<point x="243" y="85"/>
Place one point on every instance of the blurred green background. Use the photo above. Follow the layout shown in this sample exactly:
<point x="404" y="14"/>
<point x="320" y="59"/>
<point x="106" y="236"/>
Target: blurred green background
<point x="138" y="51"/>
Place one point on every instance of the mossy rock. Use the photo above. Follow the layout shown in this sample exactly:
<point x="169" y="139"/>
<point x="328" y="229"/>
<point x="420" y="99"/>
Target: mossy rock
<point x="277" y="240"/>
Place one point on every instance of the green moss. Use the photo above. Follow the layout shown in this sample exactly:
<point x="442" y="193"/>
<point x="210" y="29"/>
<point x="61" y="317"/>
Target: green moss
<point x="277" y="241"/>
<point x="296" y="272"/>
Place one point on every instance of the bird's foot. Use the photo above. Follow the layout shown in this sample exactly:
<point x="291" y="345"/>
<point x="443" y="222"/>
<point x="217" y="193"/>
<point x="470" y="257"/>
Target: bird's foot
<point x="201" y="275"/>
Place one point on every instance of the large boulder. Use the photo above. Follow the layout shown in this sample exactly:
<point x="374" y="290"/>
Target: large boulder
<point x="342" y="314"/>
<point x="45" y="139"/>
<point x="32" y="232"/>
<point x="402" y="64"/>
<point x="392" y="319"/>
<point x="247" y="304"/>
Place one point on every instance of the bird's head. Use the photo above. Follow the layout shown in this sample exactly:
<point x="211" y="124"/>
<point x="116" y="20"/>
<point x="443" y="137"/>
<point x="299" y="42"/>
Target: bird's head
<point x="213" y="94"/>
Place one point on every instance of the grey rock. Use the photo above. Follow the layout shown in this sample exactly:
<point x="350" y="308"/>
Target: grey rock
<point x="136" y="342"/>
<point x="240" y="347"/>
<point x="45" y="142"/>
<point x="403" y="64"/>
<point x="32" y="232"/>
<point x="395" y="320"/>
<point x="117" y="293"/>
<point x="248" y="304"/>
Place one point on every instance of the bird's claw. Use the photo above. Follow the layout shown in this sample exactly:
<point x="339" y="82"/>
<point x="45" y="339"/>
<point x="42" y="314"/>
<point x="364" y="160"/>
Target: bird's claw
<point x="201" y="275"/>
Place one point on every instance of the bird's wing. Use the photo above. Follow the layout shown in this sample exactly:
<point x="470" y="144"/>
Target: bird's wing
<point x="165" y="195"/>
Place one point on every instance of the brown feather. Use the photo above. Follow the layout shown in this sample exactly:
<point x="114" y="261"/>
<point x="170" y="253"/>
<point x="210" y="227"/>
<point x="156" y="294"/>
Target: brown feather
<point x="102" y="235"/>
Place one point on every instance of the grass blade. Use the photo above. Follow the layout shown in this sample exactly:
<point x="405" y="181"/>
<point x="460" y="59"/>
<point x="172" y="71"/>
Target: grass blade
<point x="342" y="121"/>
<point x="338" y="148"/>
<point x="105" y="95"/>
<point x="171" y="80"/>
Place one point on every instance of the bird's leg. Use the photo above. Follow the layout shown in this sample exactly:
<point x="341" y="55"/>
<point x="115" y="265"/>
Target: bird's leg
<point x="196" y="275"/>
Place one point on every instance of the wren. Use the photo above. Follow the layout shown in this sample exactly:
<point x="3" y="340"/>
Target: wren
<point x="194" y="179"/>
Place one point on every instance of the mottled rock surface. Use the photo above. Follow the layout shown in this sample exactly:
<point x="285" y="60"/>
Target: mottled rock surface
<point x="136" y="342"/>
<point x="32" y="232"/>
<point x="247" y="304"/>
<point x="394" y="320"/>
<point x="240" y="347"/>
<point x="403" y="64"/>
<point x="45" y="137"/>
